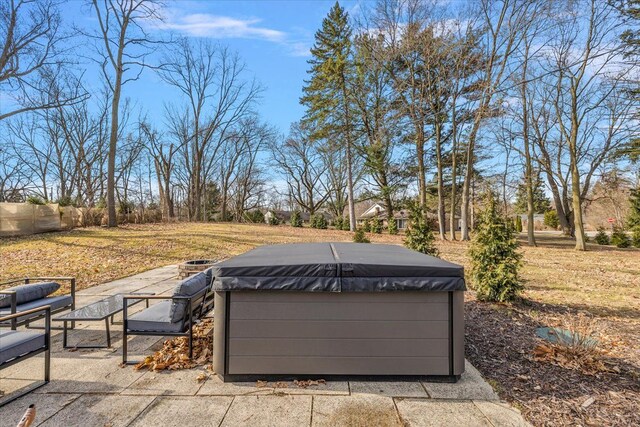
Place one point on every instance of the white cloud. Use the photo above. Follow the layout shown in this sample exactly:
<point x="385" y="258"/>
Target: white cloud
<point x="226" y="27"/>
<point x="222" y="27"/>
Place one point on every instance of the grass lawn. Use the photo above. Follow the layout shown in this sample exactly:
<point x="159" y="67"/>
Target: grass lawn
<point x="603" y="283"/>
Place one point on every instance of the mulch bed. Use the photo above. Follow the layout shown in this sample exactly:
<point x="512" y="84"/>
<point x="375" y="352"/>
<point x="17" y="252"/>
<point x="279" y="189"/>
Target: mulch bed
<point x="500" y="342"/>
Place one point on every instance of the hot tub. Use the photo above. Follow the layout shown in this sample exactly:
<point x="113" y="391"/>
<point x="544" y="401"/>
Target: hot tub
<point x="324" y="310"/>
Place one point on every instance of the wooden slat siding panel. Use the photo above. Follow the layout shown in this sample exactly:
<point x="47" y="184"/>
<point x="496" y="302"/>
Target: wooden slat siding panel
<point x="291" y="333"/>
<point x="458" y="333"/>
<point x="343" y="297"/>
<point x="219" y="338"/>
<point x="339" y="365"/>
<point x="391" y="311"/>
<point x="348" y="347"/>
<point x="338" y="329"/>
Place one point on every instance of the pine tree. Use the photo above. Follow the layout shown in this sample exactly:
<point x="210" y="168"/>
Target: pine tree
<point x="540" y="201"/>
<point x="376" y="225"/>
<point x="495" y="259"/>
<point x="419" y="236"/>
<point x="296" y="219"/>
<point x="633" y="218"/>
<point x="360" y="237"/>
<point x="393" y="227"/>
<point x="326" y="93"/>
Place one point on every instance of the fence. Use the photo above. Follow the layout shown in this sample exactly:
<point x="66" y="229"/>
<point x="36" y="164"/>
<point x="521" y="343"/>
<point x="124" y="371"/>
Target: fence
<point x="21" y="219"/>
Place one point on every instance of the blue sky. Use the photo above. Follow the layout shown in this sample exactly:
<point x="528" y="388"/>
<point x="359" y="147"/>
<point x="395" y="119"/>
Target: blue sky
<point x="272" y="37"/>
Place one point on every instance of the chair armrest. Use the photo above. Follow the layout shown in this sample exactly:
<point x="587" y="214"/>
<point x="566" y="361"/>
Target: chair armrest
<point x="46" y="308"/>
<point x="146" y="296"/>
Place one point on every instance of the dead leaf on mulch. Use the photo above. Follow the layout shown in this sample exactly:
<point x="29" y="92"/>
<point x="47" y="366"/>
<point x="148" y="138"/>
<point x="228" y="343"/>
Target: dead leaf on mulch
<point x="589" y="362"/>
<point x="174" y="354"/>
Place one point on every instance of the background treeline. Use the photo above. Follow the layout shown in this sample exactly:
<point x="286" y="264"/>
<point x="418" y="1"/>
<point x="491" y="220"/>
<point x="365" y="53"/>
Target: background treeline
<point x="407" y="100"/>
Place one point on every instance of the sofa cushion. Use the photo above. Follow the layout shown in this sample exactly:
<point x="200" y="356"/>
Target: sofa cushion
<point x="209" y="274"/>
<point x="29" y="292"/>
<point x="17" y="343"/>
<point x="156" y="318"/>
<point x="186" y="288"/>
<point x="55" y="303"/>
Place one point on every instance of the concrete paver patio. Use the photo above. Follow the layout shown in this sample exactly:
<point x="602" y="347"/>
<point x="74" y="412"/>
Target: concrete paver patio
<point x="89" y="388"/>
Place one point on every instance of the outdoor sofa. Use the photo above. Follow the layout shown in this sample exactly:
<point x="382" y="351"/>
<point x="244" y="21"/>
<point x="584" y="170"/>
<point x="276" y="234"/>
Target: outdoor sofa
<point x="16" y="346"/>
<point x="175" y="315"/>
<point x="31" y="293"/>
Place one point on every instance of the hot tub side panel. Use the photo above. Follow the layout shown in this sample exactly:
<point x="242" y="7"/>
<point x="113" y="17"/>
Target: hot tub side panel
<point x="358" y="333"/>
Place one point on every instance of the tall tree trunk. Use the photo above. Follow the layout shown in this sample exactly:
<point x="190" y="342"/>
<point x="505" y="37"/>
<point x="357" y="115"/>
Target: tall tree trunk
<point x="466" y="185"/>
<point x="113" y="142"/>
<point x="576" y="199"/>
<point x="422" y="180"/>
<point x="441" y="207"/>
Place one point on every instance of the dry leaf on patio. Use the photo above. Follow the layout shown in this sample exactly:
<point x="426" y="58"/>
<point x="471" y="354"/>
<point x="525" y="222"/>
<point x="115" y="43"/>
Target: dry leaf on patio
<point x="174" y="354"/>
<point x="308" y="383"/>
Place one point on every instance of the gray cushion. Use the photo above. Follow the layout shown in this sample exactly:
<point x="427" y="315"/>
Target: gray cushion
<point x="154" y="319"/>
<point x="186" y="288"/>
<point x="55" y="303"/>
<point x="14" y="344"/>
<point x="30" y="292"/>
<point x="209" y="274"/>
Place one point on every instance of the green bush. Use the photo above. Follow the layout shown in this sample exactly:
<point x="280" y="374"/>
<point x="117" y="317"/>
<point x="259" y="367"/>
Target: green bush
<point x="65" y="201"/>
<point x="366" y="225"/>
<point x="360" y="237"/>
<point x="602" y="238"/>
<point x="126" y="207"/>
<point x="318" y="221"/>
<point x="518" y="224"/>
<point x="620" y="238"/>
<point x="255" y="216"/>
<point x="551" y="219"/>
<point x="635" y="236"/>
<point x="296" y="219"/>
<point x="346" y="224"/>
<point x="376" y="225"/>
<point x="101" y="204"/>
<point x="36" y="200"/>
<point x="393" y="227"/>
<point x="419" y="235"/>
<point x="337" y="222"/>
<point x="273" y="219"/>
<point x="495" y="259"/>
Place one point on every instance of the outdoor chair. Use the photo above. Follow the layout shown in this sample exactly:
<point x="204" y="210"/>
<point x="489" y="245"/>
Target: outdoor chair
<point x="174" y="316"/>
<point x="29" y="295"/>
<point x="16" y="346"/>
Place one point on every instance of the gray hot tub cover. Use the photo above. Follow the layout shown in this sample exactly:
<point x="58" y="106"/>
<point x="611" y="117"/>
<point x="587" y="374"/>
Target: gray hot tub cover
<point x="337" y="267"/>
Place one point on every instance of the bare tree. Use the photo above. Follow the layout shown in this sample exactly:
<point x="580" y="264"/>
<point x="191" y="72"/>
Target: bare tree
<point x="501" y="23"/>
<point x="32" y="58"/>
<point x="163" y="154"/>
<point x="591" y="111"/>
<point x="218" y="97"/>
<point x="124" y="46"/>
<point x="299" y="162"/>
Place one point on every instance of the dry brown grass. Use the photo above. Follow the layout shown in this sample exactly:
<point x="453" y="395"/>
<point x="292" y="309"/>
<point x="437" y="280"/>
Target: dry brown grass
<point x="96" y="255"/>
<point x="560" y="283"/>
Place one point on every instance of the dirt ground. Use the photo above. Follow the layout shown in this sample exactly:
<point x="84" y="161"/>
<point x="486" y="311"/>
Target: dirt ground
<point x="561" y="285"/>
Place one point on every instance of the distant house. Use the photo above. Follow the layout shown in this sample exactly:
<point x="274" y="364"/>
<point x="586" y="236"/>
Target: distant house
<point x="377" y="210"/>
<point x="400" y="216"/>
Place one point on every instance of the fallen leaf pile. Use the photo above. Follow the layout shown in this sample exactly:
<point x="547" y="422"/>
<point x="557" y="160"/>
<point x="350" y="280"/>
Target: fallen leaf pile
<point x="174" y="354"/>
<point x="589" y="362"/>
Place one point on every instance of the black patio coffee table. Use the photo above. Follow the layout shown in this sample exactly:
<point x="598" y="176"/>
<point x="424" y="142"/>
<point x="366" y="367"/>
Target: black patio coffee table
<point x="100" y="310"/>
